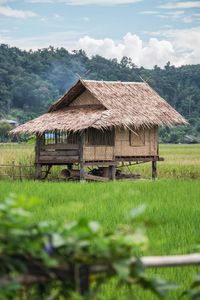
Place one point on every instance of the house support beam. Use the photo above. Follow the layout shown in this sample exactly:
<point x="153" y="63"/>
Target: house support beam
<point x="81" y="149"/>
<point x="112" y="172"/>
<point x="38" y="166"/>
<point x="154" y="169"/>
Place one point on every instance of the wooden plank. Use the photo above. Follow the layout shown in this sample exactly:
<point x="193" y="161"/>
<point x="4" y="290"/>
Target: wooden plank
<point x="100" y="163"/>
<point x="95" y="178"/>
<point x="59" y="153"/>
<point x="61" y="146"/>
<point x="136" y="158"/>
<point x="161" y="159"/>
<point x="59" y="159"/>
<point x="58" y="163"/>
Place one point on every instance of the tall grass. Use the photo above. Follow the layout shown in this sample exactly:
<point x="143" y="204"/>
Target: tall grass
<point x="180" y="161"/>
<point x="19" y="153"/>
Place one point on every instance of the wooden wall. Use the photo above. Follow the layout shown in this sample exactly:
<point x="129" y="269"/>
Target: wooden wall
<point x="145" y="143"/>
<point x="98" y="153"/>
<point x="58" y="153"/>
<point x="123" y="146"/>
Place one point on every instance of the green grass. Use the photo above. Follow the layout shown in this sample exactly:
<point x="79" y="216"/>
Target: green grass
<point x="172" y="215"/>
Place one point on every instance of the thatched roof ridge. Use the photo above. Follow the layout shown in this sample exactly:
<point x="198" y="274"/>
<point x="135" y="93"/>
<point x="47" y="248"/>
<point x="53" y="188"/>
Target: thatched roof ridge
<point x="123" y="104"/>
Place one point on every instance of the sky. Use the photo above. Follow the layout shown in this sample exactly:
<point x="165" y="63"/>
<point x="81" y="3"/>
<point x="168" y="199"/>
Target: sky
<point x="151" y="32"/>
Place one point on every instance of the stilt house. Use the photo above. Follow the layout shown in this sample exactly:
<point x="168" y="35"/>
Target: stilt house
<point x="101" y="123"/>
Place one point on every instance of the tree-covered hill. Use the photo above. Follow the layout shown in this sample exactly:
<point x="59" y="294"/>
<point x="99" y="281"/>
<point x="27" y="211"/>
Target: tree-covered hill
<point x="31" y="80"/>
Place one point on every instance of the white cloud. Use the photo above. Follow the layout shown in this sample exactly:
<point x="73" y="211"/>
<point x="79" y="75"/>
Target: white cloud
<point x="87" y="2"/>
<point x="154" y="52"/>
<point x="180" y="4"/>
<point x="186" y="43"/>
<point x="178" y="15"/>
<point x="177" y="46"/>
<point x="15" y="13"/>
<point x="149" y="12"/>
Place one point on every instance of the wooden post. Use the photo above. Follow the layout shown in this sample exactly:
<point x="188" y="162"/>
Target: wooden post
<point x="81" y="159"/>
<point x="38" y="167"/>
<point x="154" y="169"/>
<point x="56" y="137"/>
<point x="112" y="172"/>
<point x="13" y="170"/>
<point x="20" y="172"/>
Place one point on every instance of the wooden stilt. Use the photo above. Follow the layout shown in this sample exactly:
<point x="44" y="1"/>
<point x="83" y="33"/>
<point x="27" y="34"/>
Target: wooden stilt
<point x="154" y="169"/>
<point x="38" y="166"/>
<point x="112" y="172"/>
<point x="38" y="171"/>
<point x="81" y="147"/>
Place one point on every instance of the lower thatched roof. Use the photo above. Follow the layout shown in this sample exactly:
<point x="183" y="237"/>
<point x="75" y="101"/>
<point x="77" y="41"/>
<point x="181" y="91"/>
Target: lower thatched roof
<point x="122" y="104"/>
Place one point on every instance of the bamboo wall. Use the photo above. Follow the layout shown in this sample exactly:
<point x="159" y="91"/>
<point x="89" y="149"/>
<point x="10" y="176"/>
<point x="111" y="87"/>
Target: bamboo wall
<point x="123" y="147"/>
<point x="98" y="153"/>
<point x="85" y="99"/>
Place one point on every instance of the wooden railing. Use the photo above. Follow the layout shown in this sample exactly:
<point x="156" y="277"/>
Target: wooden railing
<point x="17" y="171"/>
<point x="59" y="153"/>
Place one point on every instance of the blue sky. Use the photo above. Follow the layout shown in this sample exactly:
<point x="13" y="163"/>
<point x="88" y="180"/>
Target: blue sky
<point x="149" y="31"/>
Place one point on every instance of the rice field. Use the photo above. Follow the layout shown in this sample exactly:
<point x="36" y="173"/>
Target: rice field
<point x="181" y="161"/>
<point x="172" y="217"/>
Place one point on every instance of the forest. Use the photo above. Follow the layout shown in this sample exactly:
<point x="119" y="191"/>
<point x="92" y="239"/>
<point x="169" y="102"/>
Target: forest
<point x="31" y="80"/>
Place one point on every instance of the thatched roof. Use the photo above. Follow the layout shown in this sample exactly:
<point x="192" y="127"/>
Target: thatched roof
<point x="121" y="104"/>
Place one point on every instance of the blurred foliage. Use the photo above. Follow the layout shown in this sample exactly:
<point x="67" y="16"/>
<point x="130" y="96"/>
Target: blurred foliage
<point x="193" y="293"/>
<point x="45" y="246"/>
<point x="4" y="131"/>
<point x="31" y="80"/>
